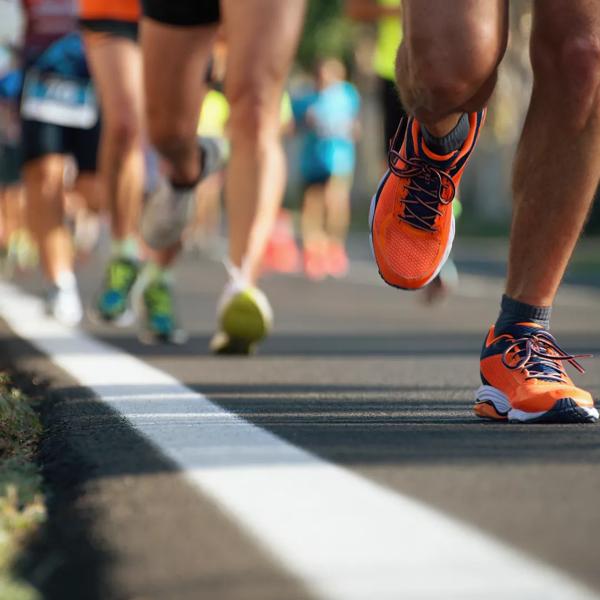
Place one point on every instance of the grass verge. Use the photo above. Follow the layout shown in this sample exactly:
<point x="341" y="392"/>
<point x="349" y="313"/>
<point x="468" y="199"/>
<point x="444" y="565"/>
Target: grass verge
<point x="22" y="508"/>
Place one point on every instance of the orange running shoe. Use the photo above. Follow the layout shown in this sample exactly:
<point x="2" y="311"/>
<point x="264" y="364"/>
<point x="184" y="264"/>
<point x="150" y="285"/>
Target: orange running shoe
<point x="282" y="254"/>
<point x="524" y="379"/>
<point x="337" y="260"/>
<point x="411" y="220"/>
<point x="315" y="262"/>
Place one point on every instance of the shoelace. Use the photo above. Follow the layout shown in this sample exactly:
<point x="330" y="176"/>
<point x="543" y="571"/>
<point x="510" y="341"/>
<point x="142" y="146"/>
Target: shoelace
<point x="541" y="356"/>
<point x="428" y="187"/>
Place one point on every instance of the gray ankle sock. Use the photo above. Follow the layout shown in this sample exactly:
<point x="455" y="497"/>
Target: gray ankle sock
<point x="450" y="142"/>
<point x="513" y="311"/>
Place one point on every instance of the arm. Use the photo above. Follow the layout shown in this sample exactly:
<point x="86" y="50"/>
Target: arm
<point x="369" y="11"/>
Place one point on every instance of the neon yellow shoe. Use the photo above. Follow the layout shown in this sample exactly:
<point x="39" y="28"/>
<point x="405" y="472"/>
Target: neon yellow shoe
<point x="245" y="318"/>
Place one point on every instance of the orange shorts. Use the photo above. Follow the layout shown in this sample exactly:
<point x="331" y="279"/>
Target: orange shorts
<point x="112" y="10"/>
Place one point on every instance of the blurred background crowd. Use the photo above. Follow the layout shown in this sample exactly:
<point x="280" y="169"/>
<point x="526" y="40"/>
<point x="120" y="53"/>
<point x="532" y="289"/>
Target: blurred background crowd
<point x="334" y="123"/>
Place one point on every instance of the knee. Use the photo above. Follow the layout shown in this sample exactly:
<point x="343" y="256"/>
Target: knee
<point x="443" y="77"/>
<point x="172" y="137"/>
<point x="569" y="65"/>
<point x="43" y="181"/>
<point x="255" y="117"/>
<point x="123" y="130"/>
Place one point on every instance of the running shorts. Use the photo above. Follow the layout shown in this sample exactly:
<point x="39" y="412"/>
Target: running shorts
<point x="114" y="17"/>
<point x="40" y="139"/>
<point x="113" y="27"/>
<point x="182" y="13"/>
<point x="10" y="164"/>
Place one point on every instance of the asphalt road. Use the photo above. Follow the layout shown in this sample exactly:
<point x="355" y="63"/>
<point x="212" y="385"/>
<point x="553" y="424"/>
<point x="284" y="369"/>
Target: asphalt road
<point x="363" y="376"/>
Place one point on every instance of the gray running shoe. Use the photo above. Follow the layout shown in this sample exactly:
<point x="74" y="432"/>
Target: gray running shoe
<point x="168" y="210"/>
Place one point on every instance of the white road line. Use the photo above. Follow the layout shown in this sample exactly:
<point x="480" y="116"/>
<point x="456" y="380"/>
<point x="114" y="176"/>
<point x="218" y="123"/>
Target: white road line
<point x="343" y="536"/>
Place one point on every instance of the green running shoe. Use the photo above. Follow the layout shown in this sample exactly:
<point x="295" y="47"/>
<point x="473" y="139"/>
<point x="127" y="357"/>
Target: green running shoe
<point x="245" y="318"/>
<point x="158" y="320"/>
<point x="113" y="303"/>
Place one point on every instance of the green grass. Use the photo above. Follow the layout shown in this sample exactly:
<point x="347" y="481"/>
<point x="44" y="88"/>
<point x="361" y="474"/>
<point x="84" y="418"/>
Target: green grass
<point x="22" y="508"/>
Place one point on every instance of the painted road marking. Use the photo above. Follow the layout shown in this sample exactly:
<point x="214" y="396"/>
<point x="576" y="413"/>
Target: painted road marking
<point x="344" y="536"/>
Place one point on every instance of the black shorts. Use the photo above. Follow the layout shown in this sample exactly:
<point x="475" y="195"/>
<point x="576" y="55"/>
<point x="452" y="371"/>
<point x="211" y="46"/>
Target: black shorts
<point x="10" y="164"/>
<point x="393" y="110"/>
<point x="183" y="13"/>
<point x="40" y="139"/>
<point x="123" y="29"/>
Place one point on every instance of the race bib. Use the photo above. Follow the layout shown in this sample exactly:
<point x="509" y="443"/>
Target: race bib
<point x="59" y="100"/>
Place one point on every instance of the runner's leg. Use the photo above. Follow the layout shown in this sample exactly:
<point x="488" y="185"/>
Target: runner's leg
<point x="175" y="61"/>
<point x="262" y="36"/>
<point x="43" y="182"/>
<point x="447" y="63"/>
<point x="557" y="167"/>
<point x="446" y="70"/>
<point x="337" y="206"/>
<point x="556" y="174"/>
<point x="116" y="67"/>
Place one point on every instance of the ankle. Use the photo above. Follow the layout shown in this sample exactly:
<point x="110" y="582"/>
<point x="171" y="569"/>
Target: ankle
<point x="514" y="311"/>
<point x="66" y="280"/>
<point x="443" y="141"/>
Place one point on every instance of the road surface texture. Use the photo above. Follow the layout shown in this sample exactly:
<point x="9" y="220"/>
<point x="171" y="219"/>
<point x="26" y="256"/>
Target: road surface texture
<point x="368" y="393"/>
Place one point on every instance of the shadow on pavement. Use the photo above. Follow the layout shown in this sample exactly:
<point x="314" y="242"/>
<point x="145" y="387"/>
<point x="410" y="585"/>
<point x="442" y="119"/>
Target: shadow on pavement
<point x="319" y="344"/>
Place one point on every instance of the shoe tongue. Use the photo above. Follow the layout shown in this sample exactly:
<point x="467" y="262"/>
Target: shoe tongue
<point x="417" y="213"/>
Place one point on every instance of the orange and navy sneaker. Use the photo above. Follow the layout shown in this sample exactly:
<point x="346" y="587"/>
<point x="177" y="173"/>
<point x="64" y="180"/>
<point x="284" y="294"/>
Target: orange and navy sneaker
<point x="411" y="220"/>
<point x="524" y="379"/>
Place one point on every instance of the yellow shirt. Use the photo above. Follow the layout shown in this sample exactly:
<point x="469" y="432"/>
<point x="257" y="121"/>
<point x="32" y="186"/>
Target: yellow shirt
<point x="214" y="115"/>
<point x="388" y="39"/>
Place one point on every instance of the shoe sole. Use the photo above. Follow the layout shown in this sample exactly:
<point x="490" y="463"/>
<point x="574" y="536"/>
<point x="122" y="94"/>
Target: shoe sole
<point x="373" y="207"/>
<point x="244" y="325"/>
<point x="491" y="403"/>
<point x="123" y="321"/>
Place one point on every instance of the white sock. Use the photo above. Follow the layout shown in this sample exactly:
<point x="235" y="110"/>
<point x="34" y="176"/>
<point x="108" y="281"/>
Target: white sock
<point x="127" y="248"/>
<point x="66" y="280"/>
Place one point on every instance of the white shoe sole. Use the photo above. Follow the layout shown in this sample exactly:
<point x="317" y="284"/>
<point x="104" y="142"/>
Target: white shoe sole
<point x="565" y="410"/>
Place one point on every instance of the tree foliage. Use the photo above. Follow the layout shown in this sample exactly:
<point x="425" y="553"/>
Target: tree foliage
<point x="327" y="33"/>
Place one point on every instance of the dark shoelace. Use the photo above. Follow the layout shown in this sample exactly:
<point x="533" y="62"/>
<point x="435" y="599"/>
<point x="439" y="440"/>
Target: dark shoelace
<point x="541" y="356"/>
<point x="429" y="187"/>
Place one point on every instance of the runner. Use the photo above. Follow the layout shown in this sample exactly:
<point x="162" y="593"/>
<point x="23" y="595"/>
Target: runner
<point x="327" y="119"/>
<point x="110" y="31"/>
<point x="59" y="118"/>
<point x="446" y="71"/>
<point x="177" y="37"/>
